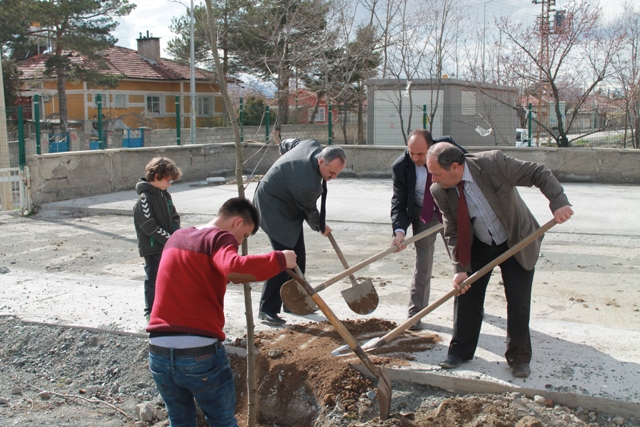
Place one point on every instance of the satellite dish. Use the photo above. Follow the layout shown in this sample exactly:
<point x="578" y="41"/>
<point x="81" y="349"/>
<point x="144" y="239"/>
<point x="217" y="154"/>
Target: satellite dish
<point x="484" y="132"/>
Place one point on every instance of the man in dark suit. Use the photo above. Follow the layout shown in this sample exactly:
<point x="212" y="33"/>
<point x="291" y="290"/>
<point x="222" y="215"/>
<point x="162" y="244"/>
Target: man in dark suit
<point x="286" y="197"/>
<point x="411" y="181"/>
<point x="497" y="219"/>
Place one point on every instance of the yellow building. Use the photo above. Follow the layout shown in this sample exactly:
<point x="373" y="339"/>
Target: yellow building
<point x="145" y="96"/>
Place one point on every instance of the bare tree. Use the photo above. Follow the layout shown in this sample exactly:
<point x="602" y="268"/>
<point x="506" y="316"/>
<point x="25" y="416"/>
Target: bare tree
<point x="221" y="81"/>
<point x="626" y="75"/>
<point x="577" y="53"/>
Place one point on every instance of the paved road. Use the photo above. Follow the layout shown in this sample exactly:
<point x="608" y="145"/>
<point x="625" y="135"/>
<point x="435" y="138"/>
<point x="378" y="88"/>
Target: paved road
<point x="599" y="208"/>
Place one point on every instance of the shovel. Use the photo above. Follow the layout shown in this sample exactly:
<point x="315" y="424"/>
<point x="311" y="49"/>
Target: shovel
<point x="298" y="300"/>
<point x="361" y="298"/>
<point x="379" y="342"/>
<point x="384" y="383"/>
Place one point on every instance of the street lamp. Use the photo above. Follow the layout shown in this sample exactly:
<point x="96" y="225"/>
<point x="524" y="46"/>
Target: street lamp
<point x="484" y="32"/>
<point x="192" y="79"/>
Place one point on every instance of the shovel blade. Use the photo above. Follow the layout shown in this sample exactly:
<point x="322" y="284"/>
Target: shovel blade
<point x="384" y="394"/>
<point x="361" y="299"/>
<point x="296" y="298"/>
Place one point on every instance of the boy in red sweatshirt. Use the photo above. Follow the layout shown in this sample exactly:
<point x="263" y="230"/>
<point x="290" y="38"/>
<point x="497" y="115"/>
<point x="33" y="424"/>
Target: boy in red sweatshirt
<point x="186" y="355"/>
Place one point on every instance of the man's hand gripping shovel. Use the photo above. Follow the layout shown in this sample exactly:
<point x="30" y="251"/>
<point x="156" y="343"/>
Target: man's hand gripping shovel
<point x="379" y="342"/>
<point x="384" y="383"/>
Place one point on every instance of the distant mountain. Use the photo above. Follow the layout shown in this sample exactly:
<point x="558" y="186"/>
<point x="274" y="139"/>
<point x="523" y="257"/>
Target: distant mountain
<point x="251" y="84"/>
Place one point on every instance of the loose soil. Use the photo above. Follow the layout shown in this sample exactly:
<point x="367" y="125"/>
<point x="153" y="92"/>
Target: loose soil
<point x="61" y="376"/>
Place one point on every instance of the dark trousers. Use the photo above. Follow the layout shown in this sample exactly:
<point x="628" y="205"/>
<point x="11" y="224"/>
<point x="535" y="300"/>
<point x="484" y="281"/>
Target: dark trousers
<point x="270" y="301"/>
<point x="469" y="307"/>
<point x="151" y="264"/>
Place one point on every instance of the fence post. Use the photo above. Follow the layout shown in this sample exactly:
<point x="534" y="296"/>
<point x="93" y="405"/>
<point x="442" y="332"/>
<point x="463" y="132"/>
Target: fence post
<point x="330" y="117"/>
<point x="36" y="118"/>
<point x="178" y="142"/>
<point x="241" y="121"/>
<point x="22" y="157"/>
<point x="103" y="143"/>
<point x="529" y="123"/>
<point x="424" y="116"/>
<point x="267" y="120"/>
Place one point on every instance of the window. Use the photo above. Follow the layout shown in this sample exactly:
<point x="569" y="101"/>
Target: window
<point x="120" y="101"/>
<point x="204" y="106"/>
<point x="153" y="104"/>
<point x="320" y="114"/>
<point x="468" y="103"/>
<point x="105" y="100"/>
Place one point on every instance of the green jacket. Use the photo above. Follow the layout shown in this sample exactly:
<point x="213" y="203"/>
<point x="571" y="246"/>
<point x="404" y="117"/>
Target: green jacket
<point x="154" y="217"/>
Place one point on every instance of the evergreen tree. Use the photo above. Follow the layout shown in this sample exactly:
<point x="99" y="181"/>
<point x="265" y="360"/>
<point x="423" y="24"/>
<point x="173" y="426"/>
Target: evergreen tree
<point x="76" y="27"/>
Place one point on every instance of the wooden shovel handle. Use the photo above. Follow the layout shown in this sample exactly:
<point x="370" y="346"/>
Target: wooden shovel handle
<point x="333" y="319"/>
<point x="376" y="257"/>
<point x="342" y="259"/>
<point x="475" y="276"/>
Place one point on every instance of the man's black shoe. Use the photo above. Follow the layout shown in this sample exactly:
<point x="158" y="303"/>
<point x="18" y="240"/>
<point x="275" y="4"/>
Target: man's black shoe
<point x="521" y="370"/>
<point x="271" y="318"/>
<point x="451" y="362"/>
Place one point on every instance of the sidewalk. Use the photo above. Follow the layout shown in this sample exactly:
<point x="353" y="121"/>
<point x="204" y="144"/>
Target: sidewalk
<point x="593" y="352"/>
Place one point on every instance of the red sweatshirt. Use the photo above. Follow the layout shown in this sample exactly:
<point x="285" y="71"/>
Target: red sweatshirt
<point x="195" y="268"/>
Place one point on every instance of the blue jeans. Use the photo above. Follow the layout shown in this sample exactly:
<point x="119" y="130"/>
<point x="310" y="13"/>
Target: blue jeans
<point x="208" y="379"/>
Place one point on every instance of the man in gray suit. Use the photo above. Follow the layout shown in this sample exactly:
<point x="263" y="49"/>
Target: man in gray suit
<point x="497" y="219"/>
<point x="285" y="197"/>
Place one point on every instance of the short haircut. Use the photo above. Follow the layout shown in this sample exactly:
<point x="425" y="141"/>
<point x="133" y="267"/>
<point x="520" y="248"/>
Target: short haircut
<point x="161" y="167"/>
<point x="446" y="154"/>
<point x="333" y="152"/>
<point x="239" y="206"/>
<point x="424" y="134"/>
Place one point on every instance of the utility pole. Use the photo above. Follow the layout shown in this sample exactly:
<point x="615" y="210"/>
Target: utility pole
<point x="544" y="52"/>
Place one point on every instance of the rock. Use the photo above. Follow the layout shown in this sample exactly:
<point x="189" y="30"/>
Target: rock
<point x="371" y="394"/>
<point x="618" y="420"/>
<point x="160" y="414"/>
<point x="144" y="411"/>
<point x="592" y="415"/>
<point x="539" y="400"/>
<point x="159" y="400"/>
<point x="16" y="390"/>
<point x="529" y="421"/>
<point x="4" y="270"/>
<point x="274" y="353"/>
<point x="142" y="385"/>
<point x="352" y="408"/>
<point x="549" y="403"/>
<point x="329" y="400"/>
<point x="44" y="395"/>
<point x="92" y="390"/>
<point x="349" y="402"/>
<point x="4" y="401"/>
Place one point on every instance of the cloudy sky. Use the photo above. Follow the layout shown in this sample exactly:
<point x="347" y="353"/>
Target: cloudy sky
<point x="155" y="16"/>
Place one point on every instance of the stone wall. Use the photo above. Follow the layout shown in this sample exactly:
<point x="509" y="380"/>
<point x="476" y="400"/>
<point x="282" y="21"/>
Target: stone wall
<point x="63" y="176"/>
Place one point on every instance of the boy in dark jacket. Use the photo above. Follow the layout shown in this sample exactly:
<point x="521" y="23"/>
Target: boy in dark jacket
<point x="155" y="219"/>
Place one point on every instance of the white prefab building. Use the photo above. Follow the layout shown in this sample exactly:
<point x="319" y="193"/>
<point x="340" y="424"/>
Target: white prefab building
<point x="472" y="114"/>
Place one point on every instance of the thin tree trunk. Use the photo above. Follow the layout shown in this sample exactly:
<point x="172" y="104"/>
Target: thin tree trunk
<point x="222" y="84"/>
